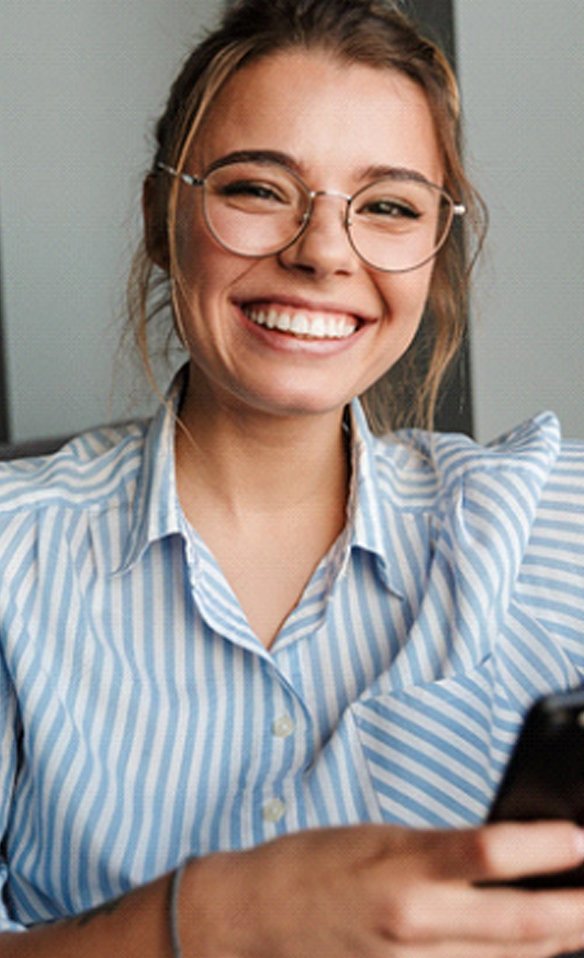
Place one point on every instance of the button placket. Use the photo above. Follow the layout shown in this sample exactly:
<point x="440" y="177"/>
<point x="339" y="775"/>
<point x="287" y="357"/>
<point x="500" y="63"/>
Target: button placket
<point x="274" y="809"/>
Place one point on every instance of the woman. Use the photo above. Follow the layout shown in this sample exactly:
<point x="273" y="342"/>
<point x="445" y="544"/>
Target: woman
<point x="229" y="630"/>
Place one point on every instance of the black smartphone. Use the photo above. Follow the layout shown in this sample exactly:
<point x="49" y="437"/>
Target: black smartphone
<point x="545" y="775"/>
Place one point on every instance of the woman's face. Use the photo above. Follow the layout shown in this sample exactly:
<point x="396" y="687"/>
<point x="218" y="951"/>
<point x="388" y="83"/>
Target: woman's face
<point x="335" y="124"/>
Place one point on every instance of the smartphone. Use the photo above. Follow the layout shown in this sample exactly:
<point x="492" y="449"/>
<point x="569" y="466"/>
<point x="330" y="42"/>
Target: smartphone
<point x="545" y="775"/>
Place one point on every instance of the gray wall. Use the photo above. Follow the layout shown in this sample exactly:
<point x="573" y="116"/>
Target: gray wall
<point x="82" y="80"/>
<point x="81" y="83"/>
<point x="522" y="73"/>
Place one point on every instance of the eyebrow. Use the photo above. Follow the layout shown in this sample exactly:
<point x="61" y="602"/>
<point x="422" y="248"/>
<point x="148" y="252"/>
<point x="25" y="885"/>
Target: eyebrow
<point x="256" y="156"/>
<point x="394" y="173"/>
<point x="376" y="172"/>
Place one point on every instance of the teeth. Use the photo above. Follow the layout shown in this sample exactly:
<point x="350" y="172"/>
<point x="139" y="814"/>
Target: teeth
<point x="319" y="327"/>
<point x="299" y="324"/>
<point x="303" y="323"/>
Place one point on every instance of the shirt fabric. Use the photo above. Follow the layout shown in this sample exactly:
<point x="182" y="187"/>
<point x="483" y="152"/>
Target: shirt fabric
<point x="142" y="721"/>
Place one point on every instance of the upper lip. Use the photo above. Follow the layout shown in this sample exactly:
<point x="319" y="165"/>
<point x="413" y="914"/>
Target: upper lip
<point x="299" y="302"/>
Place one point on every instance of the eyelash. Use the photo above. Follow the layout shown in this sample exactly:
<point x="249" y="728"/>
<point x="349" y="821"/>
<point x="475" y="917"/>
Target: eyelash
<point x="396" y="208"/>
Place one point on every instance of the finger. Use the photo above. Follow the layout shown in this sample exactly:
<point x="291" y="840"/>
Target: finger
<point x="423" y="913"/>
<point x="503" y="852"/>
<point x="521" y="917"/>
<point x="457" y="949"/>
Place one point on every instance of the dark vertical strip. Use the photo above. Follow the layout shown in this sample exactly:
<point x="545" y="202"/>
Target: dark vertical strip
<point x="436" y="20"/>
<point x="4" y="417"/>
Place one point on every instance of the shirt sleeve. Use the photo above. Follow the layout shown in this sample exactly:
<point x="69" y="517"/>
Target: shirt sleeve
<point x="8" y="767"/>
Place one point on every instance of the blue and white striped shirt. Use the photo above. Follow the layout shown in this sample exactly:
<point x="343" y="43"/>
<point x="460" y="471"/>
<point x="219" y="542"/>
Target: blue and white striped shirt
<point x="142" y="721"/>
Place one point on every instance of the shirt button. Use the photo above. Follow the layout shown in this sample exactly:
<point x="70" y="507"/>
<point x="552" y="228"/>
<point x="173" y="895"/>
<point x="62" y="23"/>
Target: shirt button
<point x="274" y="810"/>
<point x="283" y="726"/>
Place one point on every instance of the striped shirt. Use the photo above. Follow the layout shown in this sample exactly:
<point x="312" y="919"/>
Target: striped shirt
<point x="142" y="721"/>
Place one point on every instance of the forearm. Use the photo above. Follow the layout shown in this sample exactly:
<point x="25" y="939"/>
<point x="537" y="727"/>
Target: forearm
<point x="135" y="926"/>
<point x="366" y="890"/>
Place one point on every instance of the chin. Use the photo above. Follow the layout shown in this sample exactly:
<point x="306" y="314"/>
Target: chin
<point x="301" y="405"/>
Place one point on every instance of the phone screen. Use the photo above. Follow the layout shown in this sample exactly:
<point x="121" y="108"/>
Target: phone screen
<point x="545" y="776"/>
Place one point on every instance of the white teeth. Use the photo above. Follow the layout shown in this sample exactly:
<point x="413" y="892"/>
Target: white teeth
<point x="319" y="327"/>
<point x="304" y="323"/>
<point x="299" y="324"/>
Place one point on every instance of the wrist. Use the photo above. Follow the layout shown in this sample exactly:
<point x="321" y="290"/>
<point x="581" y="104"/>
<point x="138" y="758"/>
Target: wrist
<point x="205" y="910"/>
<point x="174" y="909"/>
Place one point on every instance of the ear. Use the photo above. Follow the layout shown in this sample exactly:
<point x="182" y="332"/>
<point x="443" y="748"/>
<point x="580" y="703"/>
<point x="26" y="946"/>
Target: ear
<point x="154" y="224"/>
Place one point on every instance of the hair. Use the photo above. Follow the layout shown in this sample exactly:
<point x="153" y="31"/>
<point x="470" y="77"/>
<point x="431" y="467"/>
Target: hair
<point x="370" y="32"/>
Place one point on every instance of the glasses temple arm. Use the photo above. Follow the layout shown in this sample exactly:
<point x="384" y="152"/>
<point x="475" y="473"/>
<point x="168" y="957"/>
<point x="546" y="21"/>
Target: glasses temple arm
<point x="185" y="177"/>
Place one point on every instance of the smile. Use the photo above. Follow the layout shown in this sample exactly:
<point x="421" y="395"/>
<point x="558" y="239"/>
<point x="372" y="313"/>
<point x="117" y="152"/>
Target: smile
<point x="311" y="324"/>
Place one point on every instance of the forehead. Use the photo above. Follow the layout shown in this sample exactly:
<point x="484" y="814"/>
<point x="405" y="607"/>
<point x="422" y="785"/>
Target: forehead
<point x="331" y="117"/>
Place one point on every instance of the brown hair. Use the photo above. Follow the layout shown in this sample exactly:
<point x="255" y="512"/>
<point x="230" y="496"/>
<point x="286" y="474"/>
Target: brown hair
<point x="370" y="32"/>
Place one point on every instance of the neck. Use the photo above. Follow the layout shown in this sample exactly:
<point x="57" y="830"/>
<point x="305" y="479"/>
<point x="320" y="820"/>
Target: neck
<point x="248" y="462"/>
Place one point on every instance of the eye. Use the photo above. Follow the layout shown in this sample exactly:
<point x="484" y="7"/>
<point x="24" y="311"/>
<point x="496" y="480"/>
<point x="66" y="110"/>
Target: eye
<point x="388" y="208"/>
<point x="252" y="189"/>
<point x="252" y="195"/>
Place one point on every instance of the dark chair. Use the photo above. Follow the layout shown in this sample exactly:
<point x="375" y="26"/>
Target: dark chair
<point x="31" y="447"/>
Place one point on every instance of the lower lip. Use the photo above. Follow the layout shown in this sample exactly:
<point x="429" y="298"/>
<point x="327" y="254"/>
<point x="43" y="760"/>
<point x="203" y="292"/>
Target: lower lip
<point x="289" y="343"/>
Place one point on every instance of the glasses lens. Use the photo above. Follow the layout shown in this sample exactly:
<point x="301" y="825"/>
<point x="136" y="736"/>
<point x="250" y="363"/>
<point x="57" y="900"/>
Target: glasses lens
<point x="254" y="208"/>
<point x="398" y="224"/>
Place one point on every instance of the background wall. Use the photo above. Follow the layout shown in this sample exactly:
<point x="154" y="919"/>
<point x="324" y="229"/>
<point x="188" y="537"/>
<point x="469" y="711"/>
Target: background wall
<point x="521" y="68"/>
<point x="81" y="82"/>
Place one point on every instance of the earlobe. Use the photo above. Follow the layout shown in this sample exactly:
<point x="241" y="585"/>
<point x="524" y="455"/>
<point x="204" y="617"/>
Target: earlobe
<point x="154" y="226"/>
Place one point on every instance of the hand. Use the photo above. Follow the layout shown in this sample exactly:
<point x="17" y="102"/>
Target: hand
<point x="376" y="891"/>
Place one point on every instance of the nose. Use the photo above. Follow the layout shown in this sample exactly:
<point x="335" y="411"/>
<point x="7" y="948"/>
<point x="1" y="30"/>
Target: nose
<point x="323" y="247"/>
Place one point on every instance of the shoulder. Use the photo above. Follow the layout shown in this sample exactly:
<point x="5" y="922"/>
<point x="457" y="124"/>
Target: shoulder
<point x="532" y="446"/>
<point x="558" y="533"/>
<point x="89" y="470"/>
<point x="52" y="508"/>
<point x="526" y="486"/>
<point x="565" y="488"/>
<point x="454" y="467"/>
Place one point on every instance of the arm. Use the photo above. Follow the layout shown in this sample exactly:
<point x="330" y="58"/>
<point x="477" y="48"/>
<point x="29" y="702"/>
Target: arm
<point x="135" y="926"/>
<point x="368" y="891"/>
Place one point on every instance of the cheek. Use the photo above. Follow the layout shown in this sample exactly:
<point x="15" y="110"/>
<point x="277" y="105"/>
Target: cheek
<point x="196" y="250"/>
<point x="189" y="243"/>
<point x="406" y="294"/>
<point x="206" y="266"/>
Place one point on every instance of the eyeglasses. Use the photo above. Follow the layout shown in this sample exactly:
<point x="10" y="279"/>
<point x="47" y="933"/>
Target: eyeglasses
<point x="259" y="208"/>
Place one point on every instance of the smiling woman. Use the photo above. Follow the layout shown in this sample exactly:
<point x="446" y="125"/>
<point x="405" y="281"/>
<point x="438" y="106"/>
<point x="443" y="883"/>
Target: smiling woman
<point x="260" y="668"/>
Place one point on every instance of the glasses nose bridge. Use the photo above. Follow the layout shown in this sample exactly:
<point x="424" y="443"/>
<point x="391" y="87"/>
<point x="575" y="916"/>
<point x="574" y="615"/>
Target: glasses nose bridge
<point x="335" y="194"/>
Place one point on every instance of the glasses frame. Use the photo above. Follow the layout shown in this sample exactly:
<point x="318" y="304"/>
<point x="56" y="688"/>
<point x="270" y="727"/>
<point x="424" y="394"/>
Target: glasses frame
<point x="456" y="210"/>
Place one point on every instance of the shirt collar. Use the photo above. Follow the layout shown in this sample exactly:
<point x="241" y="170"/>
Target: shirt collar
<point x="156" y="510"/>
<point x="397" y="483"/>
<point x="368" y="516"/>
<point x="364" y="509"/>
